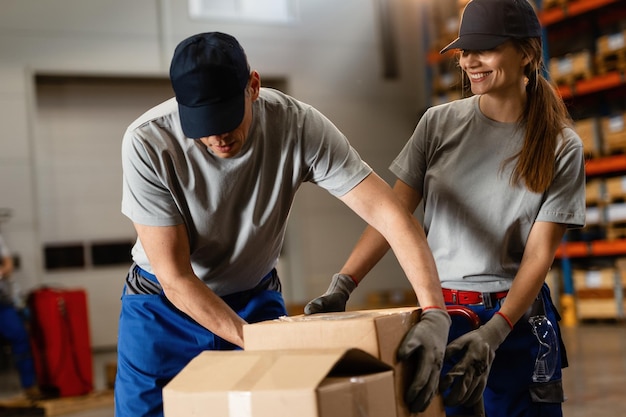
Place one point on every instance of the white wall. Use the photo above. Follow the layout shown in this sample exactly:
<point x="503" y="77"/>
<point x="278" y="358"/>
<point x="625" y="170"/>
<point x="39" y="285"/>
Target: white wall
<point x="331" y="59"/>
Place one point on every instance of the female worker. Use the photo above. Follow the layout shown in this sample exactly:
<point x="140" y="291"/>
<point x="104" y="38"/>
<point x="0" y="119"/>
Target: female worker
<point x="501" y="176"/>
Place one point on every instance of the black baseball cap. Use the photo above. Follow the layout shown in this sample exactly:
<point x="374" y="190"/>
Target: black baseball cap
<point x="209" y="73"/>
<point x="486" y="24"/>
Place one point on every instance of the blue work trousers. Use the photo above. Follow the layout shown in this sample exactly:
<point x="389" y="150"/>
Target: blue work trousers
<point x="156" y="340"/>
<point x="13" y="330"/>
<point x="510" y="390"/>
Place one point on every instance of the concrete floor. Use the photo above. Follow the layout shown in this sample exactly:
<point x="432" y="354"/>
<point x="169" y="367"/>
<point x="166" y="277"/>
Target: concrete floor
<point x="595" y="382"/>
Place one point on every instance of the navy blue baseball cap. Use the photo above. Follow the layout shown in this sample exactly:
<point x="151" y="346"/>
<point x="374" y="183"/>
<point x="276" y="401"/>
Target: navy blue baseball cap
<point x="209" y="74"/>
<point x="486" y="24"/>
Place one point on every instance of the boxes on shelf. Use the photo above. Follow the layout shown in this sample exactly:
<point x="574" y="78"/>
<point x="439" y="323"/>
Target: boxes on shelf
<point x="304" y="383"/>
<point x="595" y="308"/>
<point x="594" y="192"/>
<point x="589" y="133"/>
<point x="616" y="213"/>
<point x="598" y="293"/>
<point x="616" y="188"/>
<point x="611" y="52"/>
<point x="620" y="265"/>
<point x="611" y="42"/>
<point x="594" y="215"/>
<point x="615" y="231"/>
<point x="602" y="278"/>
<point x="614" y="133"/>
<point x="377" y="332"/>
<point x="571" y="67"/>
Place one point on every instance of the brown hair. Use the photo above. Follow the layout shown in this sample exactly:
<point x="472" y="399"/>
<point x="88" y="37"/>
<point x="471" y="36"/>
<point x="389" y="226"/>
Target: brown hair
<point x="545" y="116"/>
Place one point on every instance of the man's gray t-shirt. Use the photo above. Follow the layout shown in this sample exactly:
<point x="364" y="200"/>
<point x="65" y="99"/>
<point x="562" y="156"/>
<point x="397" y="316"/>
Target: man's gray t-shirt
<point x="477" y="223"/>
<point x="236" y="209"/>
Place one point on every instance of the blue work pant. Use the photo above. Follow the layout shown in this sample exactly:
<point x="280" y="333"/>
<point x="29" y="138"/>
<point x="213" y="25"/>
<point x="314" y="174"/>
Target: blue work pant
<point x="156" y="340"/>
<point x="510" y="390"/>
<point x="13" y="329"/>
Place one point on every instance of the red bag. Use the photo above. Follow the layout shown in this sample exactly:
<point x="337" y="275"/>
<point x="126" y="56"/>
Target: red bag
<point x="61" y="341"/>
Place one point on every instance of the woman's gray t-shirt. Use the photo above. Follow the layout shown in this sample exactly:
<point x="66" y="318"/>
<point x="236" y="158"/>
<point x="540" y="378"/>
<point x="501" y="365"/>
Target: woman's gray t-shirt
<point x="477" y="223"/>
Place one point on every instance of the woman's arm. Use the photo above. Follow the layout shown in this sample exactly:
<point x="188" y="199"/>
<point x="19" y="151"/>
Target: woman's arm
<point x="541" y="246"/>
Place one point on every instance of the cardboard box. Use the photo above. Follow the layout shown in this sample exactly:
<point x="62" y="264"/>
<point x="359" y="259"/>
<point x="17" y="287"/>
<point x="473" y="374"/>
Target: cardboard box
<point x="596" y="278"/>
<point x="377" y="332"/>
<point x="277" y="383"/>
<point x="594" y="191"/>
<point x="600" y="309"/>
<point x="613" y="133"/>
<point x="589" y="132"/>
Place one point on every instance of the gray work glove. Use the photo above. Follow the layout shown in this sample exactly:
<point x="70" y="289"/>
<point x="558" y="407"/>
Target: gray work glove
<point x="425" y="344"/>
<point x="468" y="377"/>
<point x="335" y="297"/>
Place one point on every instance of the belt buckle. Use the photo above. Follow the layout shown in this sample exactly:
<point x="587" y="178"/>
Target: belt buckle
<point x="454" y="297"/>
<point x="487" y="300"/>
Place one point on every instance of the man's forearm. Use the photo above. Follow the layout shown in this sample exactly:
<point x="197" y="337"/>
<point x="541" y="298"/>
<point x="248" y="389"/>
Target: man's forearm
<point x="196" y="300"/>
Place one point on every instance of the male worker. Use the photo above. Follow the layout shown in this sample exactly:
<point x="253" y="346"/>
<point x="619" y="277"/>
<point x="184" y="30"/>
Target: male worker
<point x="209" y="180"/>
<point x="12" y="326"/>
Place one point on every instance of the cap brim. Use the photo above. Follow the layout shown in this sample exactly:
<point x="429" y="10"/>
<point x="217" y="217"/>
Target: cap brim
<point x="475" y="42"/>
<point x="212" y="119"/>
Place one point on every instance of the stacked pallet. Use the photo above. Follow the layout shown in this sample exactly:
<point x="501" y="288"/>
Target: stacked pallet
<point x="571" y="67"/>
<point x="599" y="292"/>
<point x="57" y="406"/>
<point x="609" y="56"/>
<point x="603" y="136"/>
<point x="611" y="52"/>
<point x="614" y="133"/>
<point x="588" y="130"/>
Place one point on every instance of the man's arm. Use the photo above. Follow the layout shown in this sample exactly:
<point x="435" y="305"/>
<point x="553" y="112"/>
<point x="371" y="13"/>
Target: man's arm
<point x="386" y="211"/>
<point x="167" y="248"/>
<point x="424" y="344"/>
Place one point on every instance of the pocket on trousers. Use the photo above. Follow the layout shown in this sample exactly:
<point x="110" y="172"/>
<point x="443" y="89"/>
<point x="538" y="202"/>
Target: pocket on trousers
<point x="547" y="392"/>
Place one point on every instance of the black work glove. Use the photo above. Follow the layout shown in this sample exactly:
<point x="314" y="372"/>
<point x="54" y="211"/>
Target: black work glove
<point x="335" y="297"/>
<point x="425" y="343"/>
<point x="468" y="377"/>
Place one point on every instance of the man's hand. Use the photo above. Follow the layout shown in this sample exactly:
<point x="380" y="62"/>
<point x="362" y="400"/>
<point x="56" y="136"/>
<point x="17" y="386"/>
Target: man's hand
<point x="335" y="297"/>
<point x="468" y="377"/>
<point x="425" y="344"/>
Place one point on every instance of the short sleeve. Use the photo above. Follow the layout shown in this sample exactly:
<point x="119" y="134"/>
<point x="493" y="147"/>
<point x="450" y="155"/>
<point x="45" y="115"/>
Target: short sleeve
<point x="565" y="199"/>
<point x="333" y="163"/>
<point x="145" y="197"/>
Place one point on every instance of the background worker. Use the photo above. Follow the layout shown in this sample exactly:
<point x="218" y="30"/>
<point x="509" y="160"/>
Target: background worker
<point x="209" y="180"/>
<point x="12" y="326"/>
<point x="501" y="175"/>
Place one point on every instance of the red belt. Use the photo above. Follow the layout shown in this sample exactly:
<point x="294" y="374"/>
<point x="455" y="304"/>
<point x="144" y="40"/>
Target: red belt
<point x="471" y="297"/>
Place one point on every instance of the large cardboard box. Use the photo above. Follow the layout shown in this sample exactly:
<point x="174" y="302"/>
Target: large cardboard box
<point x="377" y="332"/>
<point x="303" y="383"/>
